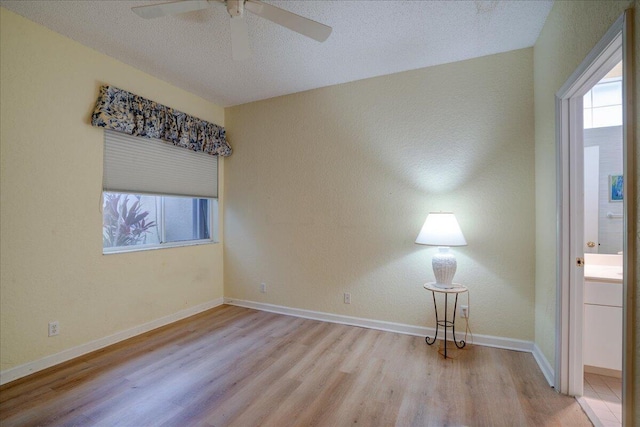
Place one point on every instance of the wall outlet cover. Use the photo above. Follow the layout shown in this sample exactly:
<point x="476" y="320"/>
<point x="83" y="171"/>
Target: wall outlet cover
<point x="54" y="328"/>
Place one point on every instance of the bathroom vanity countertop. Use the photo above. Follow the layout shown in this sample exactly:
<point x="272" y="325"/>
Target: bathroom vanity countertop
<point x="607" y="273"/>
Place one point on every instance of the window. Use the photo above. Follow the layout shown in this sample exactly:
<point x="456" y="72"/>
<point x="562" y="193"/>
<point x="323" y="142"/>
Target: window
<point x="156" y="195"/>
<point x="136" y="221"/>
<point x="603" y="104"/>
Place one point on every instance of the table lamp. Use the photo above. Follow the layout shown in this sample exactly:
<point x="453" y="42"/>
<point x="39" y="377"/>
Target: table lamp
<point x="441" y="229"/>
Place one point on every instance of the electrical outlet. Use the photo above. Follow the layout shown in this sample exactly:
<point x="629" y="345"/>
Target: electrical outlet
<point x="347" y="298"/>
<point x="54" y="328"/>
<point x="464" y="311"/>
<point x="263" y="287"/>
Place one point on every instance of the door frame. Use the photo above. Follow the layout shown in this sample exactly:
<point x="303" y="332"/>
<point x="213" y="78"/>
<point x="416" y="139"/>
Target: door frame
<point x="615" y="45"/>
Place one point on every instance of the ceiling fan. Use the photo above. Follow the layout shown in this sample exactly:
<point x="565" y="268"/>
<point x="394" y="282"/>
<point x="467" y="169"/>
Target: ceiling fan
<point x="239" y="32"/>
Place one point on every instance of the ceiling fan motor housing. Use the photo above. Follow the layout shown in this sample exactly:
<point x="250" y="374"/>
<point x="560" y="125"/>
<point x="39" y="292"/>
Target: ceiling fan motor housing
<point x="235" y="7"/>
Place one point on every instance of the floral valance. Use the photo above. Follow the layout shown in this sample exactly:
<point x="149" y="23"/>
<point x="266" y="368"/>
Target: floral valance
<point x="122" y="111"/>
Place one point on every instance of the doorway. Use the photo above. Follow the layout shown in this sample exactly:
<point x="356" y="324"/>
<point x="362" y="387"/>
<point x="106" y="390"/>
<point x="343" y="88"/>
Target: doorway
<point x="603" y="249"/>
<point x="574" y="242"/>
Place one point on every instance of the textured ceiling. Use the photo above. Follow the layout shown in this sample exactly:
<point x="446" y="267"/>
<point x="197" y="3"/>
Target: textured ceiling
<point x="369" y="38"/>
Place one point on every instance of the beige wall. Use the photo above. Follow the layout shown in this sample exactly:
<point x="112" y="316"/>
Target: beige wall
<point x="571" y="31"/>
<point x="52" y="267"/>
<point x="327" y="190"/>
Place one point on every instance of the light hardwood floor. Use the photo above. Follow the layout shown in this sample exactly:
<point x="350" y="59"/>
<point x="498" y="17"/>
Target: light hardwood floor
<point x="242" y="367"/>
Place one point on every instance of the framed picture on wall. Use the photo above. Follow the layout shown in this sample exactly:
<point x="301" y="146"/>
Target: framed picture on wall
<point x="615" y="188"/>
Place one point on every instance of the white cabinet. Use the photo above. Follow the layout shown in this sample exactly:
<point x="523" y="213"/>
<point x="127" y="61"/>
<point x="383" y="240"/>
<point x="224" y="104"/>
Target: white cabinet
<point x="603" y="336"/>
<point x="603" y="325"/>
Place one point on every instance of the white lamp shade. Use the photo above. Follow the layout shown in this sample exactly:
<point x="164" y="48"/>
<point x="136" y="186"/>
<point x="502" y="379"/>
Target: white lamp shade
<point x="441" y="229"/>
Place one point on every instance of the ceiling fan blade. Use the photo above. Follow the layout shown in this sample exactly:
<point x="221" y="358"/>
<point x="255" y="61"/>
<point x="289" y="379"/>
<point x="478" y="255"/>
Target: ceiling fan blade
<point x="171" y="8"/>
<point x="297" y="23"/>
<point x="240" y="48"/>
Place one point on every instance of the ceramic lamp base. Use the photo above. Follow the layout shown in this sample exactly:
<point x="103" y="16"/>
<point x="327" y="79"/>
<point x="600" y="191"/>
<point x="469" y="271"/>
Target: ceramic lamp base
<point x="444" y="267"/>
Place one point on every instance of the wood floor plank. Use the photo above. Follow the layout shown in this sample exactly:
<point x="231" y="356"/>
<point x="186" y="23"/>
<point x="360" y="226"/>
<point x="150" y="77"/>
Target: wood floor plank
<point x="233" y="366"/>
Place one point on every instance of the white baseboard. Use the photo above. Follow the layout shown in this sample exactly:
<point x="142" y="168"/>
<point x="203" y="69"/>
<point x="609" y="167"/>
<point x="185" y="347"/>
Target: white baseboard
<point x="17" y="372"/>
<point x="483" y="340"/>
<point x="477" y="339"/>
<point x="544" y="365"/>
<point x="614" y="373"/>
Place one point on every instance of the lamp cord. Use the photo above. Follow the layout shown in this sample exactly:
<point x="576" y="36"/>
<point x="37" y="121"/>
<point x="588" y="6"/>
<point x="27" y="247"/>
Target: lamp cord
<point x="468" y="327"/>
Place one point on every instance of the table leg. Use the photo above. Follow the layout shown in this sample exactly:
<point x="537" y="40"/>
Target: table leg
<point x="433" y="294"/>
<point x="446" y="303"/>
<point x="453" y="326"/>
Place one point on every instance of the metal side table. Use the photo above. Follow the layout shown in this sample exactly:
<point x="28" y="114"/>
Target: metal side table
<point x="456" y="290"/>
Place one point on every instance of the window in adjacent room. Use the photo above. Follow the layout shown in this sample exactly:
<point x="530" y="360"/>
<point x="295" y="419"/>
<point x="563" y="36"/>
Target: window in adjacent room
<point x="603" y="103"/>
<point x="156" y="195"/>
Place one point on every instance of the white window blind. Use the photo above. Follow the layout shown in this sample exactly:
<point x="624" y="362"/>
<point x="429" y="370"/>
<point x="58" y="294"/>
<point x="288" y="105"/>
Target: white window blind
<point x="134" y="164"/>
